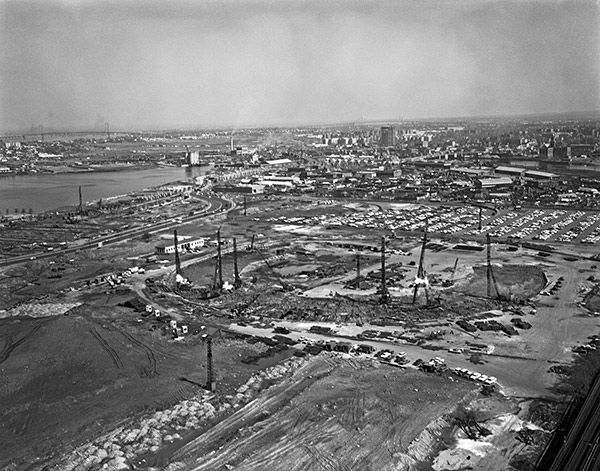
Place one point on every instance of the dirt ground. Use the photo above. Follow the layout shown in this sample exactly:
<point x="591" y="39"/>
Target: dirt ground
<point x="65" y="379"/>
<point x="333" y="413"/>
<point x="519" y="282"/>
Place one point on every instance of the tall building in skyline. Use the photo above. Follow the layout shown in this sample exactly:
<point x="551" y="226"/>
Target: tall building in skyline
<point x="387" y="136"/>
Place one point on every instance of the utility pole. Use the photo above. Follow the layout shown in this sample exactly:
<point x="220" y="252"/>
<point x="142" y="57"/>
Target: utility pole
<point x="384" y="293"/>
<point x="80" y="201"/>
<point x="479" y="224"/>
<point x="245" y="205"/>
<point x="236" y="274"/>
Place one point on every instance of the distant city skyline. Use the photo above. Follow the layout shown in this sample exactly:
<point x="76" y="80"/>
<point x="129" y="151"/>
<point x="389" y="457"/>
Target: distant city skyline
<point x="154" y="64"/>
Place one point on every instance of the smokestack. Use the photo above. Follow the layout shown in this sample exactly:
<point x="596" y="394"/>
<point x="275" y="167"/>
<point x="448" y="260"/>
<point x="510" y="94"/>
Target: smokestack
<point x="80" y="201"/>
<point x="245" y="206"/>
<point x="107" y="131"/>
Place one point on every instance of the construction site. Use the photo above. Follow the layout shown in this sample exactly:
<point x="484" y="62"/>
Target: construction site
<point x="284" y="337"/>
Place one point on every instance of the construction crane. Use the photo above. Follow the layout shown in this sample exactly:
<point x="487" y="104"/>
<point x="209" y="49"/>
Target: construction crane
<point x="286" y="286"/>
<point x="177" y="260"/>
<point x="237" y="281"/>
<point x="80" y="209"/>
<point x="210" y="380"/>
<point x="251" y="246"/>
<point x="357" y="270"/>
<point x="491" y="278"/>
<point x="421" y="279"/>
<point x="217" y="284"/>
<point x="384" y="290"/>
<point x="454" y="269"/>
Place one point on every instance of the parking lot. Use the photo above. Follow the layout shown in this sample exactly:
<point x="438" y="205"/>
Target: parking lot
<point x="550" y="225"/>
<point x="547" y="225"/>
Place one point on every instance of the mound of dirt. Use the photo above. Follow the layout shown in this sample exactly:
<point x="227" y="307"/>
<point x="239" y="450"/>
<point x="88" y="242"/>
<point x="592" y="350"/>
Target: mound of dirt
<point x="67" y="379"/>
<point x="512" y="281"/>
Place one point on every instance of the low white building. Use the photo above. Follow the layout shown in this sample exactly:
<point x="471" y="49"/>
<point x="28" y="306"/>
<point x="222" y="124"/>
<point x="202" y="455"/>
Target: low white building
<point x="167" y="248"/>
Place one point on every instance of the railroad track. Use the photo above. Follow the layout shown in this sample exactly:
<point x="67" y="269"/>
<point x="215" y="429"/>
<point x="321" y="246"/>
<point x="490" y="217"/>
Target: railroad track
<point x="581" y="448"/>
<point x="114" y="356"/>
<point x="151" y="371"/>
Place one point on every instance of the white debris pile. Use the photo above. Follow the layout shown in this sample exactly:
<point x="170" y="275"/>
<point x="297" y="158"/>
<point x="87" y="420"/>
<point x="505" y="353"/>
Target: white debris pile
<point x="115" y="450"/>
<point x="247" y="391"/>
<point x="39" y="309"/>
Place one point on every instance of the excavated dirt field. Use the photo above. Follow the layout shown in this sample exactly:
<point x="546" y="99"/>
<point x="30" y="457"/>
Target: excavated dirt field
<point x="512" y="281"/>
<point x="333" y="413"/>
<point x="67" y="379"/>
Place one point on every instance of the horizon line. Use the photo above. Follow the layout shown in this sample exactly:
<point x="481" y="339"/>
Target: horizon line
<point x="594" y="114"/>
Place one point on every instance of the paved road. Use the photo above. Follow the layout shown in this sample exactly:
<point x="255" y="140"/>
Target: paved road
<point x="509" y="372"/>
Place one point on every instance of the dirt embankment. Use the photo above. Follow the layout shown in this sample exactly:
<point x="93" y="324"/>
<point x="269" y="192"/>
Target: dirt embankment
<point x="333" y="413"/>
<point x="65" y="380"/>
<point x="512" y="281"/>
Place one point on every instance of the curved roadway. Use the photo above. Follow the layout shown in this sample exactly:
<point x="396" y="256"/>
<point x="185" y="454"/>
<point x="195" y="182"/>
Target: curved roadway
<point x="215" y="205"/>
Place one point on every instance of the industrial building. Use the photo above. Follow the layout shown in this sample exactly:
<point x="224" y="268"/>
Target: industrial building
<point x="168" y="248"/>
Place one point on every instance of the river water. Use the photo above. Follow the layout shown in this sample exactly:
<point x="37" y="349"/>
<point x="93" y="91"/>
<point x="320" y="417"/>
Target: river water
<point x="51" y="191"/>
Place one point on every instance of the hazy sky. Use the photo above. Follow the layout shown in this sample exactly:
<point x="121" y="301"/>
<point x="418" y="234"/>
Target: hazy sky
<point x="167" y="63"/>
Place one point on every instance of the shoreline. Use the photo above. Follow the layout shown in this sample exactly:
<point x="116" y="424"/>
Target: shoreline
<point x="109" y="168"/>
<point x="160" y="171"/>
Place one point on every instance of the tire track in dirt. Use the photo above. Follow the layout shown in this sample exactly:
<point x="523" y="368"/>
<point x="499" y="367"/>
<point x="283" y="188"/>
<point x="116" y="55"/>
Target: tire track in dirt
<point x="151" y="371"/>
<point x="325" y="461"/>
<point x="114" y="356"/>
<point x="10" y="344"/>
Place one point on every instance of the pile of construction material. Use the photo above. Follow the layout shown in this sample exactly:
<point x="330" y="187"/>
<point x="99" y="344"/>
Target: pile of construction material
<point x="118" y="449"/>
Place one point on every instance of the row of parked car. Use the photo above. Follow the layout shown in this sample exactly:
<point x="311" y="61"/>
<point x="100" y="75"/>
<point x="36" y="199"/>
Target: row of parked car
<point x="481" y="378"/>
